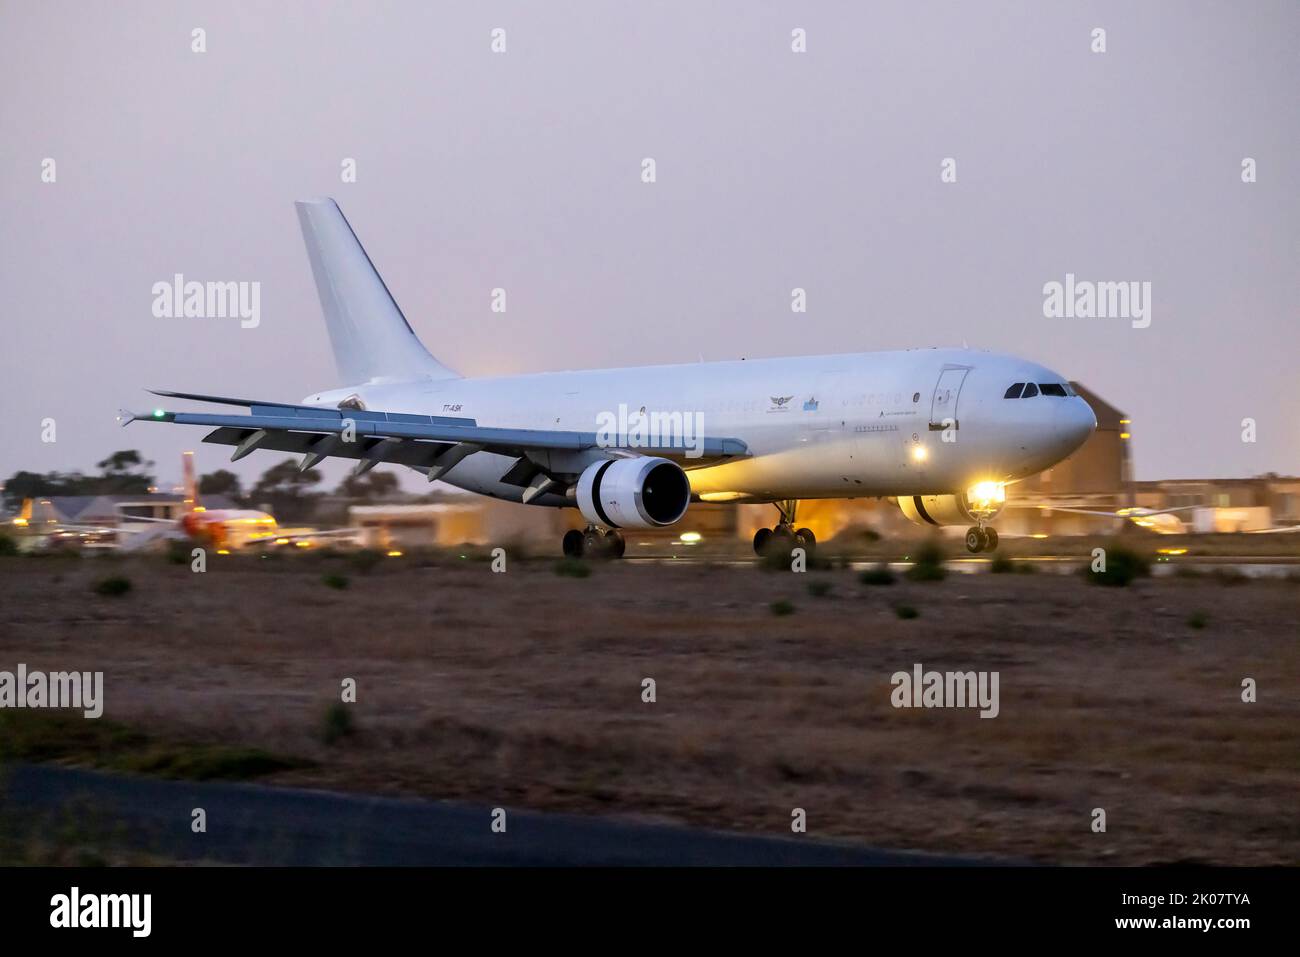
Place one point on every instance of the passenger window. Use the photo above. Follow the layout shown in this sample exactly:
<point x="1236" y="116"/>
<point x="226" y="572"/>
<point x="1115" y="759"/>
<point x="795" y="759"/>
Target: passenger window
<point x="1014" y="391"/>
<point x="1031" y="390"/>
<point x="1052" y="388"/>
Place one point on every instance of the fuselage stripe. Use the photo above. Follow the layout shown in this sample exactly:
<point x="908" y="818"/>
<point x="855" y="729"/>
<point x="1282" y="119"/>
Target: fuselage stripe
<point x="920" y="510"/>
<point x="595" y="493"/>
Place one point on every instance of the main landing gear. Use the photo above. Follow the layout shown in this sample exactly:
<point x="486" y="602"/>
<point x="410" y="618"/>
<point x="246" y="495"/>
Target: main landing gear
<point x="594" y="542"/>
<point x="980" y="539"/>
<point x="782" y="539"/>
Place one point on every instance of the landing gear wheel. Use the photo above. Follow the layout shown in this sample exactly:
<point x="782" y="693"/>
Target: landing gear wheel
<point x="781" y="542"/>
<point x="976" y="540"/>
<point x="761" y="538"/>
<point x="572" y="543"/>
<point x="593" y="542"/>
<point x="806" y="540"/>
<point x="615" y="544"/>
<point x="990" y="539"/>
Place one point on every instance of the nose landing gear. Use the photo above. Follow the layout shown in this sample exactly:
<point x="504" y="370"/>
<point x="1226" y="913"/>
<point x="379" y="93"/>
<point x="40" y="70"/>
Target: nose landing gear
<point x="784" y="537"/>
<point x="979" y="539"/>
<point x="594" y="542"/>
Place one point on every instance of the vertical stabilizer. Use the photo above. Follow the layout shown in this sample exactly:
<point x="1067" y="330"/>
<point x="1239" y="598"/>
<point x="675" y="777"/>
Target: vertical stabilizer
<point x="370" y="336"/>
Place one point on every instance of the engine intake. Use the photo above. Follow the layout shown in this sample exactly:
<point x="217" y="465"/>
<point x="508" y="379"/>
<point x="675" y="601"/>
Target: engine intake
<point x="643" y="492"/>
<point x="956" y="509"/>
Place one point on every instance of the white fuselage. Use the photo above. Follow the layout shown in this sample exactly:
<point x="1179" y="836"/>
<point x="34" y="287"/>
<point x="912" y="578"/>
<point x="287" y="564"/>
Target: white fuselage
<point x="915" y="422"/>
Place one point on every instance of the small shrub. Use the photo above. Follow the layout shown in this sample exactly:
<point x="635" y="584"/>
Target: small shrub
<point x="1123" y="564"/>
<point x="906" y="612"/>
<point x="572" y="568"/>
<point x="113" y="586"/>
<point x="1002" y="565"/>
<point x="7" y="545"/>
<point x="877" y="575"/>
<point x="337" y="723"/>
<point x="365" y="559"/>
<point x="338" y="582"/>
<point x="1229" y="576"/>
<point x="781" y="607"/>
<point x="928" y="566"/>
<point x="1198" y="619"/>
<point x="819" y="588"/>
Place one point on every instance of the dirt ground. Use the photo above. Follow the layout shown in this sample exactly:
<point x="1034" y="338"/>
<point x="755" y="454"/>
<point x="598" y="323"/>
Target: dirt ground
<point x="525" y="689"/>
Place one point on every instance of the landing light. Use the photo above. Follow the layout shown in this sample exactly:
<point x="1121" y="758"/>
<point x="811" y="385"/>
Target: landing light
<point x="919" y="454"/>
<point x="158" y="413"/>
<point x="987" y="493"/>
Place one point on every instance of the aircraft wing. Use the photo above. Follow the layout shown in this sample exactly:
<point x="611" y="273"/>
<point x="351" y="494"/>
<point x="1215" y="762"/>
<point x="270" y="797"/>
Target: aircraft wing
<point x="1058" y="508"/>
<point x="1120" y="513"/>
<point x="278" y="537"/>
<point x="430" y="443"/>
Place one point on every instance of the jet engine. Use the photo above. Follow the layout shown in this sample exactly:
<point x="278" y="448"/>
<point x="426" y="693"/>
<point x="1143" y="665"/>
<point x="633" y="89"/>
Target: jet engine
<point x="979" y="503"/>
<point x="642" y="492"/>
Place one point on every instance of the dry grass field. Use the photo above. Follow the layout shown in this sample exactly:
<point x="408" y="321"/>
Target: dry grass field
<point x="524" y="689"/>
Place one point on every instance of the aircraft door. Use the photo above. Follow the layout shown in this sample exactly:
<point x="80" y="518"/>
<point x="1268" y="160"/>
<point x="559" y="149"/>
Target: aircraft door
<point x="943" y="404"/>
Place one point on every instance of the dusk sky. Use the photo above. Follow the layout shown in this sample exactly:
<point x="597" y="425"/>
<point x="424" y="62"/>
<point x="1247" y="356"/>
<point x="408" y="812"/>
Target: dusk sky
<point x="774" y="170"/>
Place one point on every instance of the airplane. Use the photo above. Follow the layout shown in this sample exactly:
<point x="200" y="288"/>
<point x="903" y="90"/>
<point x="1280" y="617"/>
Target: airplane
<point x="224" y="528"/>
<point x="1163" y="521"/>
<point x="940" y="430"/>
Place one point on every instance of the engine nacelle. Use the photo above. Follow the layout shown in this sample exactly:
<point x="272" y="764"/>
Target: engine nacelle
<point x="642" y="492"/>
<point x="963" y="508"/>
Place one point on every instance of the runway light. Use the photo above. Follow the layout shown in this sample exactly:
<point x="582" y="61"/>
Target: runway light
<point x="20" y="521"/>
<point x="1172" y="551"/>
<point x="396" y="554"/>
<point x="690" y="538"/>
<point x="223" y="551"/>
<point x="303" y="544"/>
<point x="282" y="541"/>
<point x="1038" y="535"/>
<point x="1125" y="435"/>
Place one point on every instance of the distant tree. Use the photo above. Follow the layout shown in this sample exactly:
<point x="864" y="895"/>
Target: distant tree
<point x="284" y="489"/>
<point x="125" y="472"/>
<point x="221" y="482"/>
<point x="368" y="487"/>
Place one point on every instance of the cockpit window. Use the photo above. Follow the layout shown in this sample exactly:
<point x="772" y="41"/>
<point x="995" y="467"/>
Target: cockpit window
<point x="1052" y="388"/>
<point x="1014" y="391"/>
<point x="1031" y="390"/>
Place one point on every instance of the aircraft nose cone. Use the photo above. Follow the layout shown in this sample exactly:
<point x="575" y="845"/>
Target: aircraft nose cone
<point x="1076" y="422"/>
